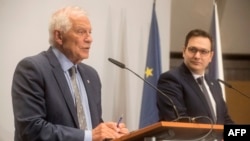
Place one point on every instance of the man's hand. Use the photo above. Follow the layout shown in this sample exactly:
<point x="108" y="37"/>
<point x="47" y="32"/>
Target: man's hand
<point x="109" y="130"/>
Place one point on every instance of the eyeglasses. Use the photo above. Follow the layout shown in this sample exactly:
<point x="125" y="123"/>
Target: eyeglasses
<point x="194" y="50"/>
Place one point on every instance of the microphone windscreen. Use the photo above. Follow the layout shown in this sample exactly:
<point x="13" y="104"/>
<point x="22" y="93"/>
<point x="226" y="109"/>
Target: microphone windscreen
<point x="119" y="64"/>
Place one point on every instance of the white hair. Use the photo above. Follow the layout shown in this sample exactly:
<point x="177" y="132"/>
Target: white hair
<point x="61" y="20"/>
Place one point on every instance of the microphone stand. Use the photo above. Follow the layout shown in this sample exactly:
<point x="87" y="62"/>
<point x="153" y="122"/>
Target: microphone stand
<point x="121" y="65"/>
<point x="230" y="86"/>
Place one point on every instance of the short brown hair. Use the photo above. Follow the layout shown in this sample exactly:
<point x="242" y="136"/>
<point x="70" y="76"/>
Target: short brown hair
<point x="198" y="33"/>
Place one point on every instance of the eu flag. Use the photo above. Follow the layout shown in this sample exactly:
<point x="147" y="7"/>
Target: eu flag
<point x="149" y="110"/>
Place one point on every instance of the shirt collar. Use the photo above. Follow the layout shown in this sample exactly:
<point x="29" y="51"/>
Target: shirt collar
<point x="196" y="75"/>
<point x="66" y="64"/>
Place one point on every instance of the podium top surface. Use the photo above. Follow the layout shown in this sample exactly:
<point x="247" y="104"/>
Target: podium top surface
<point x="173" y="130"/>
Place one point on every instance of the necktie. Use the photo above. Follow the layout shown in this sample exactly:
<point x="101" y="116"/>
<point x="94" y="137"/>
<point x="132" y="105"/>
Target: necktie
<point x="78" y="103"/>
<point x="205" y="92"/>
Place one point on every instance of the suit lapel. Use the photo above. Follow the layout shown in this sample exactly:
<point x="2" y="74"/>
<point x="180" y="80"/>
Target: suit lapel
<point x="193" y="84"/>
<point x="212" y="90"/>
<point x="89" y="90"/>
<point x="197" y="89"/>
<point x="62" y="82"/>
<point x="211" y="87"/>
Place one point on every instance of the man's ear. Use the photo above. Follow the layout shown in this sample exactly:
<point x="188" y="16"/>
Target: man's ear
<point x="58" y="37"/>
<point x="183" y="51"/>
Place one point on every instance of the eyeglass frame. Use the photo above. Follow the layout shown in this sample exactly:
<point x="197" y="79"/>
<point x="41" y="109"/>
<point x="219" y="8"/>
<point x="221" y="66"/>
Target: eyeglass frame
<point x="194" y="50"/>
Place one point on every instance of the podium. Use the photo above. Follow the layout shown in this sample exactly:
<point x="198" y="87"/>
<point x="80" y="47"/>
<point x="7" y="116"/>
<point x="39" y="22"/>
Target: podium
<point x="167" y="131"/>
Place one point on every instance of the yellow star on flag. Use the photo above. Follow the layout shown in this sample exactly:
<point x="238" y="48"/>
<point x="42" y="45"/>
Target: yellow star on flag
<point x="149" y="72"/>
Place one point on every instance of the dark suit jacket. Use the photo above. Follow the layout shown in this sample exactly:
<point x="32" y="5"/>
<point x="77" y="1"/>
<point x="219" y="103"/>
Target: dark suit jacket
<point x="42" y="102"/>
<point x="180" y="86"/>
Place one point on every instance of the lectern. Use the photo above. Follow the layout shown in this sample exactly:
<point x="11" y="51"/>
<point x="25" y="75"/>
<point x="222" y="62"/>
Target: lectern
<point x="167" y="131"/>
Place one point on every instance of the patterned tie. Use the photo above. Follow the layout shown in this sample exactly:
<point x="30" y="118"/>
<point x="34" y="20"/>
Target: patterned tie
<point x="200" y="80"/>
<point x="79" y="107"/>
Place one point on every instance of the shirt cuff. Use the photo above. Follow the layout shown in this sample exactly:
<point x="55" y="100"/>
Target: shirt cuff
<point x="88" y="135"/>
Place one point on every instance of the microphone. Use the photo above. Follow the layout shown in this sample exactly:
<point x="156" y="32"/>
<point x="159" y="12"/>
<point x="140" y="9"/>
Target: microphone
<point x="231" y="87"/>
<point x="121" y="65"/>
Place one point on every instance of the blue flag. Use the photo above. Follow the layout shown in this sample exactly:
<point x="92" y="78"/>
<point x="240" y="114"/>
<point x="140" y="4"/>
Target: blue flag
<point x="149" y="110"/>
